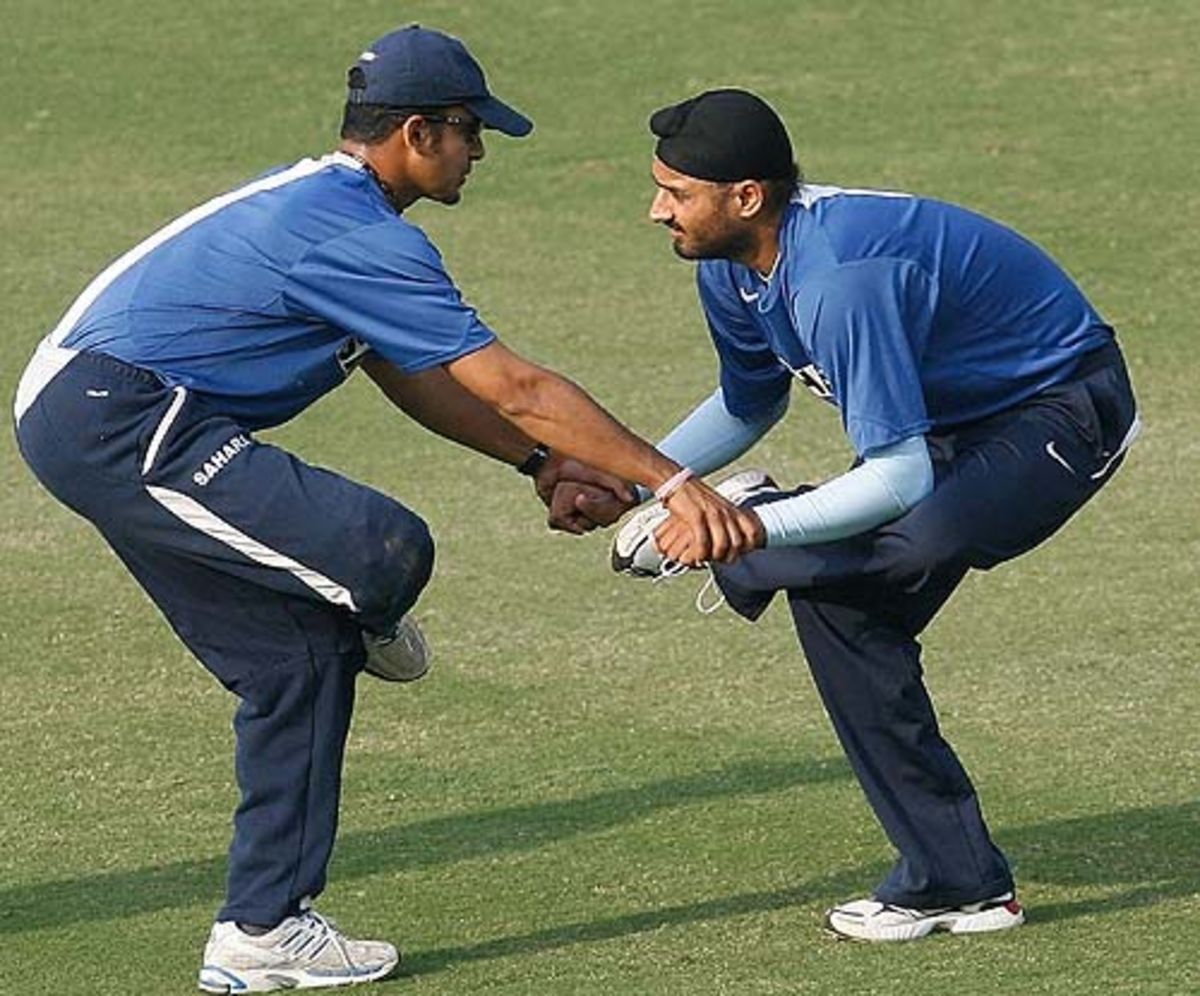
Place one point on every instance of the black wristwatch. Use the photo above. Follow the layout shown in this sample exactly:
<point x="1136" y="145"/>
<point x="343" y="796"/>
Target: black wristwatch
<point x="535" y="461"/>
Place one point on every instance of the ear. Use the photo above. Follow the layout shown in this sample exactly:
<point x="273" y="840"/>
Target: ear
<point x="748" y="198"/>
<point x="419" y="135"/>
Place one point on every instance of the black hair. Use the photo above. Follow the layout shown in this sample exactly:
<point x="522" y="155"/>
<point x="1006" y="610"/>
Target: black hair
<point x="374" y="123"/>
<point x="777" y="191"/>
<point x="371" y="123"/>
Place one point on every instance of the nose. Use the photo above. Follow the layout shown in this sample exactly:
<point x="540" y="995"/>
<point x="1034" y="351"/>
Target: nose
<point x="659" y="211"/>
<point x="477" y="151"/>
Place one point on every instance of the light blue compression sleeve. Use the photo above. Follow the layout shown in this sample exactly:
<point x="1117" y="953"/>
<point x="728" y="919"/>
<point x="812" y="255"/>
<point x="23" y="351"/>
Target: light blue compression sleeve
<point x="710" y="437"/>
<point x="887" y="483"/>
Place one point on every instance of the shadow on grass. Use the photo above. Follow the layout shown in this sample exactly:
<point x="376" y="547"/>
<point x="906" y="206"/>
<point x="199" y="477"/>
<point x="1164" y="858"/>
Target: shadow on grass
<point x="1140" y="857"/>
<point x="443" y="840"/>
<point x="1152" y="852"/>
<point x="587" y="931"/>
<point x="1143" y="855"/>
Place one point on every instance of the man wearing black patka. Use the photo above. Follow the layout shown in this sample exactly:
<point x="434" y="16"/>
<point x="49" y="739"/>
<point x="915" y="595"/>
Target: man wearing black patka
<point x="986" y="401"/>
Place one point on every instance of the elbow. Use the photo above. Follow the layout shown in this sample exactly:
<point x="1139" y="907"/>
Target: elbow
<point x="523" y="395"/>
<point x="925" y="487"/>
<point x="761" y="420"/>
<point x="903" y="471"/>
<point x="505" y="382"/>
<point x="917" y="483"/>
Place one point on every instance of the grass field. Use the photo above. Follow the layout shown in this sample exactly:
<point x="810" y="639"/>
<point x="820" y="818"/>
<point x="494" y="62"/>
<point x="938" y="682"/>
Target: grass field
<point x="599" y="791"/>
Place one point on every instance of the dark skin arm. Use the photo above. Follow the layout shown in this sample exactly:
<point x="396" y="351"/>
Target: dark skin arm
<point x="550" y="408"/>
<point x="433" y="398"/>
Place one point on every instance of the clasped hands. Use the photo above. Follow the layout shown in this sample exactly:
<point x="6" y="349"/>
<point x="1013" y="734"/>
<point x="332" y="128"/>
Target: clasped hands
<point x="703" y="525"/>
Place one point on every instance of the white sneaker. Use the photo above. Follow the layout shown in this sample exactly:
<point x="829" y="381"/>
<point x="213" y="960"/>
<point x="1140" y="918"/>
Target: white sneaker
<point x="404" y="655"/>
<point x="871" y="920"/>
<point x="303" y="952"/>
<point x="633" y="549"/>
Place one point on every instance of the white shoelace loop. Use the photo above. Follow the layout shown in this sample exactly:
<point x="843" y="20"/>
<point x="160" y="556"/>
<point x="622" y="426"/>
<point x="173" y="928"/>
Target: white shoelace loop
<point x="673" y="569"/>
<point x="711" y="607"/>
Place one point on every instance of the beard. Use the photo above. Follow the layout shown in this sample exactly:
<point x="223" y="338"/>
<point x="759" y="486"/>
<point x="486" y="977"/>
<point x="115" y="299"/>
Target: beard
<point x="728" y="244"/>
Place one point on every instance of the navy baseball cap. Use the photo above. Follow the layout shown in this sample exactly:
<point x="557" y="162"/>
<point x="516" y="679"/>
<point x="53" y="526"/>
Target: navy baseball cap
<point x="420" y="67"/>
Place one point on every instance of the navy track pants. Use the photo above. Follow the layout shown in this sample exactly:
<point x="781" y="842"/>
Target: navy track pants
<point x="1003" y="485"/>
<point x="267" y="568"/>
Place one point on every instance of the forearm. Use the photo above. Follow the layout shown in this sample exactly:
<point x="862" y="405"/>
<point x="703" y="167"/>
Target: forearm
<point x="883" y="487"/>
<point x="564" y="417"/>
<point x="710" y="437"/>
<point x="442" y="405"/>
<point x="553" y="410"/>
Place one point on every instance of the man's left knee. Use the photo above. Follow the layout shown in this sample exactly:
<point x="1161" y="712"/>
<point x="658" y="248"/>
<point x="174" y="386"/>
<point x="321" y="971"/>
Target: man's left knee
<point x="399" y="568"/>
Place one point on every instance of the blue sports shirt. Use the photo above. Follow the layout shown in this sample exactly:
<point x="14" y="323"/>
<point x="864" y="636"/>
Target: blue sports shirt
<point x="263" y="299"/>
<point x="909" y="314"/>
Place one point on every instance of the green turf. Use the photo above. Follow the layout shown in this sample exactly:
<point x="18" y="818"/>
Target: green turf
<point x="598" y="791"/>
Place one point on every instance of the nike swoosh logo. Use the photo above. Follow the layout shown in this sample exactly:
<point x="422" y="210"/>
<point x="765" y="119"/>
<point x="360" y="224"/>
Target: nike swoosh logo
<point x="1057" y="457"/>
<point x="747" y="296"/>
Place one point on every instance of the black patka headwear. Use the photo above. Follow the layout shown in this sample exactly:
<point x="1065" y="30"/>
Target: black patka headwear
<point x="724" y="136"/>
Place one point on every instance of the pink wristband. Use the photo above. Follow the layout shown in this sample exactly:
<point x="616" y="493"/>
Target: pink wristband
<point x="672" y="484"/>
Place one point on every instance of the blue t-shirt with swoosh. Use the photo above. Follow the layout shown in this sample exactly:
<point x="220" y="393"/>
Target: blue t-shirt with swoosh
<point x="264" y="298"/>
<point x="910" y="314"/>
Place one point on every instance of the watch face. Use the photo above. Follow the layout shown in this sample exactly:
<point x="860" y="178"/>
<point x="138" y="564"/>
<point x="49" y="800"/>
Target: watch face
<point x="533" y="463"/>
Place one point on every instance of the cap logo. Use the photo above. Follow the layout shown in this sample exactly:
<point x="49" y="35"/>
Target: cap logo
<point x="368" y="56"/>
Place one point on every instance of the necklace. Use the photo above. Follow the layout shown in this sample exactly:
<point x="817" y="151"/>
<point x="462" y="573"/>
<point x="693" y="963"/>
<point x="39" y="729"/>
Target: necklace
<point x="384" y="186"/>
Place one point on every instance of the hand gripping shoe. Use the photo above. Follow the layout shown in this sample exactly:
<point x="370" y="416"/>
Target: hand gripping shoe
<point x="633" y="549"/>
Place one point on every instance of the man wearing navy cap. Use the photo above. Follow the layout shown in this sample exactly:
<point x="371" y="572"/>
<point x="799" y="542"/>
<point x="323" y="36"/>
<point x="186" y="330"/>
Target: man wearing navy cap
<point x="139" y="411"/>
<point x="986" y="401"/>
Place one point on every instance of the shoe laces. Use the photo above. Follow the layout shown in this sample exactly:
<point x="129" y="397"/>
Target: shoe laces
<point x="671" y="569"/>
<point x="705" y="605"/>
<point x="311" y="935"/>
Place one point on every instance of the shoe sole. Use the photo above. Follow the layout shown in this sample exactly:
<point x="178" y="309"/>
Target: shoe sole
<point x="221" y="981"/>
<point x="1003" y="917"/>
